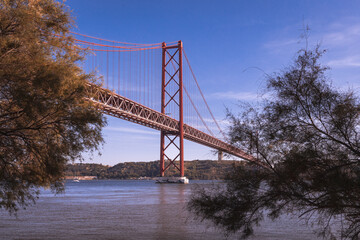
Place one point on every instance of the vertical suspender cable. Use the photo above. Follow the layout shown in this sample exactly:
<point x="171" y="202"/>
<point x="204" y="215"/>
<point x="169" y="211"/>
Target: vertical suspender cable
<point x="107" y="69"/>
<point x="129" y="84"/>
<point x="113" y="68"/>
<point x="118" y="72"/>
<point x="148" y="79"/>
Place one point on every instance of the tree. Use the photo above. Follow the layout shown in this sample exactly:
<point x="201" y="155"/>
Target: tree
<point x="45" y="120"/>
<point x="307" y="135"/>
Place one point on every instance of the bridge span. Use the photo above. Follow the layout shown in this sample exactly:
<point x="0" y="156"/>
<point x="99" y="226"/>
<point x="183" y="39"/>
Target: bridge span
<point x="154" y="85"/>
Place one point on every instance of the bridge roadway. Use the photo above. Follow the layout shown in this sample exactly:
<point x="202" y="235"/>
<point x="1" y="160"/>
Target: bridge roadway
<point x="118" y="106"/>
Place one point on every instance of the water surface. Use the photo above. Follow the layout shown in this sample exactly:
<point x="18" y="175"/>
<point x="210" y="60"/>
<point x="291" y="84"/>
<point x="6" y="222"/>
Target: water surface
<point x="126" y="209"/>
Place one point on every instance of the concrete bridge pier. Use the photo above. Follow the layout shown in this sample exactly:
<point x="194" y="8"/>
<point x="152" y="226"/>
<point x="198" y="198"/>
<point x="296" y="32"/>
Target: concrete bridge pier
<point x="220" y="155"/>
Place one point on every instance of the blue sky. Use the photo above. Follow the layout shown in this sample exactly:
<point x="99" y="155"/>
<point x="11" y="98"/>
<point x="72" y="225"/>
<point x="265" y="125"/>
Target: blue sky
<point x="231" y="45"/>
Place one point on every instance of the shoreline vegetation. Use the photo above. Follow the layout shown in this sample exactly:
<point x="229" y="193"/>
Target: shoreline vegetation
<point x="194" y="170"/>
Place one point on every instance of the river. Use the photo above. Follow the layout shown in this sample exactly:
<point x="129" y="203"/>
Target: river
<point x="126" y="209"/>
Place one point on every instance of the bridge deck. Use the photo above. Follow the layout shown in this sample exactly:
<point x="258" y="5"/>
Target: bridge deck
<point x="118" y="106"/>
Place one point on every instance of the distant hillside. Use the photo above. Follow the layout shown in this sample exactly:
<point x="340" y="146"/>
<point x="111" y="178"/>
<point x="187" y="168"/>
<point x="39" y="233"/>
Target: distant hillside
<point x="197" y="169"/>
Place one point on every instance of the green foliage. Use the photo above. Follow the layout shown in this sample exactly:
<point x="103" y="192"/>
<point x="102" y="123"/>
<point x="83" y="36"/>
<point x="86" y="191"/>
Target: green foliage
<point x="86" y="169"/>
<point x="201" y="170"/>
<point x="45" y="122"/>
<point x="307" y="134"/>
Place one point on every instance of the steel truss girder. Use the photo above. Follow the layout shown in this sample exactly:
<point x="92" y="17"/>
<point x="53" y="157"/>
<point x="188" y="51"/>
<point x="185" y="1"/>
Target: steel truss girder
<point x="118" y="106"/>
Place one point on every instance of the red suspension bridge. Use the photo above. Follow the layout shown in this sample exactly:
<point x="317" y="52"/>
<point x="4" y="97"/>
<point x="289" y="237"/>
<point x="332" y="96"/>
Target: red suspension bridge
<point x="154" y="85"/>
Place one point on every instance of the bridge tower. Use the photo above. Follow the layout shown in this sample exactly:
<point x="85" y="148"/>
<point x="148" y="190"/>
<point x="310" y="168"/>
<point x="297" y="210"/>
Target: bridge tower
<point x="172" y="99"/>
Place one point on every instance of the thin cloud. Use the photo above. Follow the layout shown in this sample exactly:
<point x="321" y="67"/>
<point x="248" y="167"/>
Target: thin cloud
<point x="280" y="43"/>
<point x="130" y="130"/>
<point x="342" y="36"/>
<point x="352" y="61"/>
<point x="242" y="96"/>
<point x="139" y="137"/>
<point x="345" y="35"/>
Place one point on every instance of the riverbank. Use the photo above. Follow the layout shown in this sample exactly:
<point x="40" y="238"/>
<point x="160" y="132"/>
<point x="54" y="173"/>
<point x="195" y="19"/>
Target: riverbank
<point x="196" y="169"/>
